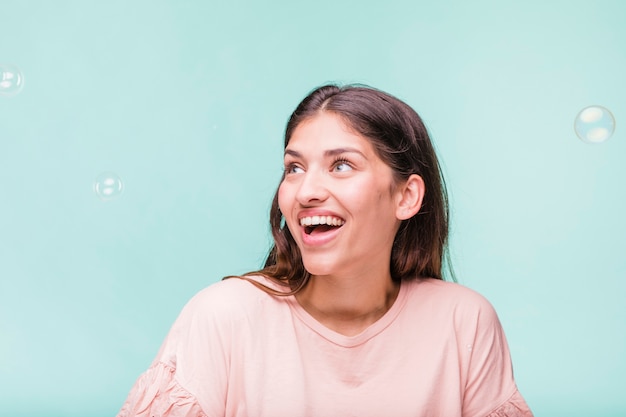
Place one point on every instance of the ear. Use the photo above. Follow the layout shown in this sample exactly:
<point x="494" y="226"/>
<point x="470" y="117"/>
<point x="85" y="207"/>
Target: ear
<point x="410" y="196"/>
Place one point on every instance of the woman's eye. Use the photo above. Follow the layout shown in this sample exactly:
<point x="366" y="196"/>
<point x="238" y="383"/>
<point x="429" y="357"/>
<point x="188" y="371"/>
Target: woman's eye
<point x="293" y="169"/>
<point x="342" y="166"/>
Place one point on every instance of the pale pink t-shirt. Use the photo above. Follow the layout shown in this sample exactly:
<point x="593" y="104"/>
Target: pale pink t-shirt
<point x="237" y="351"/>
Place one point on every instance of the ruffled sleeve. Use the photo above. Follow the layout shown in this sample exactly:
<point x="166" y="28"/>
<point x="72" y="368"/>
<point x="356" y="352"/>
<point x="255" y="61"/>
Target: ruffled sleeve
<point x="189" y="376"/>
<point x="490" y="388"/>
<point x="515" y="406"/>
<point x="157" y="394"/>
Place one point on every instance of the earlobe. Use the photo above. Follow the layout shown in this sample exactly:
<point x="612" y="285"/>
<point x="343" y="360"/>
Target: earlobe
<point x="411" y="194"/>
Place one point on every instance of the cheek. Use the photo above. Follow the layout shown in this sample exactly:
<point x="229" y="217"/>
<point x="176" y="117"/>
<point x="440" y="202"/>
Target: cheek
<point x="283" y="198"/>
<point x="285" y="204"/>
<point x="363" y="196"/>
<point x="372" y="201"/>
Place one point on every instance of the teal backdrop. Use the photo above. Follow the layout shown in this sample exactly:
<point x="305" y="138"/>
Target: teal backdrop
<point x="138" y="162"/>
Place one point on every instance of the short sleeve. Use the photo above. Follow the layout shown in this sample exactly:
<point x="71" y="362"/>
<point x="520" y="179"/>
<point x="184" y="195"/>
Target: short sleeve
<point x="490" y="387"/>
<point x="189" y="375"/>
<point x="157" y="394"/>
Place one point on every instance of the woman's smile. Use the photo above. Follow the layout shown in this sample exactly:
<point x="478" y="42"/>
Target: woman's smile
<point x="319" y="227"/>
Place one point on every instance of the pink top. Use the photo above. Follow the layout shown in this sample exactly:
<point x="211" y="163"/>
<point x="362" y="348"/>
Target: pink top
<point x="238" y="351"/>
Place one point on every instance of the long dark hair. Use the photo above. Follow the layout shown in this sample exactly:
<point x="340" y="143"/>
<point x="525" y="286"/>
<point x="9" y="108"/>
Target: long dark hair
<point x="401" y="140"/>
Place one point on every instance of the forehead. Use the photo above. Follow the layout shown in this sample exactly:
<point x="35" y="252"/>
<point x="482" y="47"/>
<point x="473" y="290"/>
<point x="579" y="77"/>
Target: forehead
<point x="326" y="131"/>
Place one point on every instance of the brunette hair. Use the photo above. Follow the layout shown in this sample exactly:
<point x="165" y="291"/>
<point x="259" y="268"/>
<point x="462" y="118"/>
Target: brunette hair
<point x="401" y="140"/>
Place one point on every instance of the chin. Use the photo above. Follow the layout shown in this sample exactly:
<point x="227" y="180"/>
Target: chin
<point x="319" y="267"/>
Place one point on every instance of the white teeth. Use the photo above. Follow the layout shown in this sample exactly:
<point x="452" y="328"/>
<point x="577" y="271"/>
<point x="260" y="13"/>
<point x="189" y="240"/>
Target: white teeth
<point x="317" y="220"/>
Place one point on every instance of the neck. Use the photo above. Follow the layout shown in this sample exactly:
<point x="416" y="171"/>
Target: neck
<point x="348" y="305"/>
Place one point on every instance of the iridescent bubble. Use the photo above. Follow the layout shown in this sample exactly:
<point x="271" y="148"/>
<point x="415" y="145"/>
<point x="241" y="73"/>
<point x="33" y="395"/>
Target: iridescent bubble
<point x="594" y="124"/>
<point x="108" y="186"/>
<point x="11" y="80"/>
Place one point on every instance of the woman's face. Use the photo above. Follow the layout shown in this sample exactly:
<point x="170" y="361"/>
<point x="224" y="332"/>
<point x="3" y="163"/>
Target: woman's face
<point x="338" y="199"/>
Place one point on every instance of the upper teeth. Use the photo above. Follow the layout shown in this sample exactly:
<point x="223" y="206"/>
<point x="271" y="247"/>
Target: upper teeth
<point x="317" y="220"/>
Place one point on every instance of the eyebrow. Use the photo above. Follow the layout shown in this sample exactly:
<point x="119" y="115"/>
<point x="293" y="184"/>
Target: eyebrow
<point x="327" y="153"/>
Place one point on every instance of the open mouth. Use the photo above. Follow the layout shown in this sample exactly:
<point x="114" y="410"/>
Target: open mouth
<point x="310" y="230"/>
<point x="320" y="224"/>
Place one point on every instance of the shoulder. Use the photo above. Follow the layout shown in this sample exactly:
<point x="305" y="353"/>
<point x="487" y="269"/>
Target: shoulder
<point x="218" y="314"/>
<point x="449" y="299"/>
<point x="227" y="302"/>
<point x="446" y="292"/>
<point x="229" y="296"/>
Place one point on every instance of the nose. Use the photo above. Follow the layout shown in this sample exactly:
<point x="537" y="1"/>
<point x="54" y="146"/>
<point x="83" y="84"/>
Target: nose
<point x="312" y="188"/>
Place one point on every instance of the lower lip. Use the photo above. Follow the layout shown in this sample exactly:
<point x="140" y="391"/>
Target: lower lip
<point x="321" y="239"/>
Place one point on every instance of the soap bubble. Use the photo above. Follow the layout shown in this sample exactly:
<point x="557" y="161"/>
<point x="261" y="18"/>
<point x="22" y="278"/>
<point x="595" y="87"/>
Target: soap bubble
<point x="108" y="186"/>
<point x="594" y="124"/>
<point x="11" y="80"/>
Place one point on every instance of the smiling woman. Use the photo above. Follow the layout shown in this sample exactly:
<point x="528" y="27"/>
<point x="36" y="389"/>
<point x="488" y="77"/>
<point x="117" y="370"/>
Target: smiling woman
<point x="350" y="315"/>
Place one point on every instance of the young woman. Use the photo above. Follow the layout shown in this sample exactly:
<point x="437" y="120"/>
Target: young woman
<point x="350" y="315"/>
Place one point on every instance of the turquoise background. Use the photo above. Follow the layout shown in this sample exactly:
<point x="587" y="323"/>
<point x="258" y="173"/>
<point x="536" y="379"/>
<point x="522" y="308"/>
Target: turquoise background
<point x="187" y="100"/>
